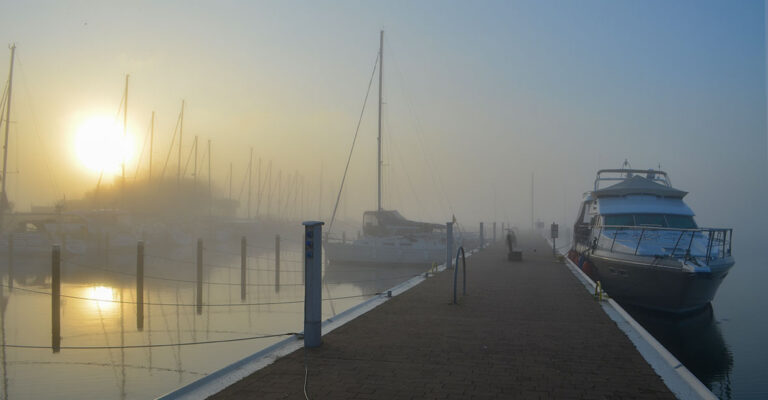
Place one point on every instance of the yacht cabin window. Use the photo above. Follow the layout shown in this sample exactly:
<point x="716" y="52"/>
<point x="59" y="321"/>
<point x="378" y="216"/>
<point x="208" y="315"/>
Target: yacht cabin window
<point x="650" y="220"/>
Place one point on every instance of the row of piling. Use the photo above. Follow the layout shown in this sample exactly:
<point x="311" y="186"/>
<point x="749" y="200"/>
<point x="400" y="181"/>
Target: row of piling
<point x="140" y="253"/>
<point x="310" y="255"/>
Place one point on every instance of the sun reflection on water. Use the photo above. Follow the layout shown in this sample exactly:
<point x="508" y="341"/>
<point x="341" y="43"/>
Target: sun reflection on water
<point x="106" y="297"/>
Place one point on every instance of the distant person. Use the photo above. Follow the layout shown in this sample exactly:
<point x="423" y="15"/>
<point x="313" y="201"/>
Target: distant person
<point x="511" y="240"/>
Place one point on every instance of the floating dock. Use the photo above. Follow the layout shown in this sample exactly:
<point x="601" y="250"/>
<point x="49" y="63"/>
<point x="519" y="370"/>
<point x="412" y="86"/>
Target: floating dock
<point x="524" y="330"/>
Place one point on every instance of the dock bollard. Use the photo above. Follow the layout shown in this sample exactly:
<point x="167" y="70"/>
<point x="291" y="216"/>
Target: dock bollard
<point x="56" y="299"/>
<point x="448" y="243"/>
<point x="313" y="257"/>
<point x="140" y="286"/>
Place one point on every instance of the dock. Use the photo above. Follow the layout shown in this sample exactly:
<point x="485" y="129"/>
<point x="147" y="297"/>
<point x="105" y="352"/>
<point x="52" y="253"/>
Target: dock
<point x="524" y="330"/>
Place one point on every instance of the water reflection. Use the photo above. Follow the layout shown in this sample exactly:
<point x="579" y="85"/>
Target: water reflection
<point x="98" y="309"/>
<point x="695" y="339"/>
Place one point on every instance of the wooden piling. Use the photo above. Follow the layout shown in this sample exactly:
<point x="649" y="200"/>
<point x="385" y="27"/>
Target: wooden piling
<point x="56" y="299"/>
<point x="140" y="286"/>
<point x="199" y="276"/>
<point x="106" y="249"/>
<point x="277" y="263"/>
<point x="10" y="261"/>
<point x="243" y="256"/>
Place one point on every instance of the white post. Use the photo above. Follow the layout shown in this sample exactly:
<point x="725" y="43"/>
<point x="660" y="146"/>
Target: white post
<point x="482" y="235"/>
<point x="448" y="243"/>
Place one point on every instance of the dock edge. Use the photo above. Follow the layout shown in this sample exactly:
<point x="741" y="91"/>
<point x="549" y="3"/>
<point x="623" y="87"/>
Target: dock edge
<point x="679" y="380"/>
<point x="221" y="379"/>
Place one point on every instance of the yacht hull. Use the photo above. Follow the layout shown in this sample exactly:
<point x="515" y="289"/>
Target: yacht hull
<point x="657" y="286"/>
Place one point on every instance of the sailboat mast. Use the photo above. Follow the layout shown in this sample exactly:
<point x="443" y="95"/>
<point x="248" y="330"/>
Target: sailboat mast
<point x="250" y="174"/>
<point x="4" y="194"/>
<point x="125" y="122"/>
<point x="381" y="68"/>
<point x="181" y="132"/>
<point x="210" y="188"/>
<point x="151" y="142"/>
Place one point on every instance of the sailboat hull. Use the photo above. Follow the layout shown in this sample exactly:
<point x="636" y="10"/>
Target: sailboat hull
<point x="384" y="252"/>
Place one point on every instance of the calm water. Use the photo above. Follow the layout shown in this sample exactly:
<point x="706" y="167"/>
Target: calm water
<point x="725" y="344"/>
<point x="100" y="313"/>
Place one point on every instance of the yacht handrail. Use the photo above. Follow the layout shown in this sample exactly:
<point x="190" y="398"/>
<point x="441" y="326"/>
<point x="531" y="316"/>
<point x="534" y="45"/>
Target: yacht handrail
<point x="624" y="173"/>
<point x="716" y="238"/>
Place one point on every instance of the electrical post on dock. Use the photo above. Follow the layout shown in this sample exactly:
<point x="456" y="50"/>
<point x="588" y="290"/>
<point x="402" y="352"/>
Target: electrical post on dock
<point x="313" y="257"/>
<point x="553" y="234"/>
<point x="448" y="243"/>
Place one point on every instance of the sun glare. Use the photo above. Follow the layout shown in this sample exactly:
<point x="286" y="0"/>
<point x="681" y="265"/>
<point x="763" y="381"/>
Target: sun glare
<point x="101" y="146"/>
<point x="103" y="297"/>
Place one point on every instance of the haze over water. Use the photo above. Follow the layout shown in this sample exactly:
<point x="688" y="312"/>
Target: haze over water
<point x="482" y="102"/>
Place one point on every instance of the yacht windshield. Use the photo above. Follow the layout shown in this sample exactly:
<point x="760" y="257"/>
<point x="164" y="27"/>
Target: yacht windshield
<point x="652" y="220"/>
<point x="656" y="220"/>
<point x="681" y="221"/>
<point x="619" y="220"/>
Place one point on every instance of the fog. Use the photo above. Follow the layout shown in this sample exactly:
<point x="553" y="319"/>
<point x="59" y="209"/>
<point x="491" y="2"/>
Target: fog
<point x="493" y="111"/>
<point x="478" y="99"/>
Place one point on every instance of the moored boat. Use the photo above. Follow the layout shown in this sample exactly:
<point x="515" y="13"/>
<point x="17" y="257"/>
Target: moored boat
<point x="640" y="240"/>
<point x="388" y="237"/>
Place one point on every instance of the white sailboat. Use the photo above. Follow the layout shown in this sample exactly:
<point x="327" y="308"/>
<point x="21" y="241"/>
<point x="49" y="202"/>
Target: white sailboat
<point x="387" y="236"/>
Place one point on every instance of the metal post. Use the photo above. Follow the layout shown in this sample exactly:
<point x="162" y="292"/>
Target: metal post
<point x="10" y="261"/>
<point x="140" y="286"/>
<point x="494" y="232"/>
<point x="448" y="243"/>
<point x="277" y="263"/>
<point x="313" y="256"/>
<point x="56" y="299"/>
<point x="242" y="267"/>
<point x="199" y="276"/>
<point x="482" y="235"/>
<point x="343" y="237"/>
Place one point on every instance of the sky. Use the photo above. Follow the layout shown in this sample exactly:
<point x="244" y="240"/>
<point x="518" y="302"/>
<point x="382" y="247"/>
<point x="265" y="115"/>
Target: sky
<point x="478" y="97"/>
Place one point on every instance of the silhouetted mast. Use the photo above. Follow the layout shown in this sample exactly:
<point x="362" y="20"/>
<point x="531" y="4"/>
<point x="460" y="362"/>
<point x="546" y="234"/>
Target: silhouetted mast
<point x="181" y="131"/>
<point x="151" y="141"/>
<point x="125" y="123"/>
<point x="250" y="174"/>
<point x="381" y="68"/>
<point x="210" y="188"/>
<point x="4" y="194"/>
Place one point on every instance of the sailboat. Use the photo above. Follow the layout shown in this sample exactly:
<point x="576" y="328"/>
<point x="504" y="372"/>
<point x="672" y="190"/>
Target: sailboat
<point x="387" y="236"/>
<point x="29" y="236"/>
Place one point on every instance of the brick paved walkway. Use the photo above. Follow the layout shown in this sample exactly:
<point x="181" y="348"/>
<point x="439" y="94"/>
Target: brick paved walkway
<point x="525" y="330"/>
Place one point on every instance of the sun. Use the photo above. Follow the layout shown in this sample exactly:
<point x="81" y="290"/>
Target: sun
<point x="101" y="146"/>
